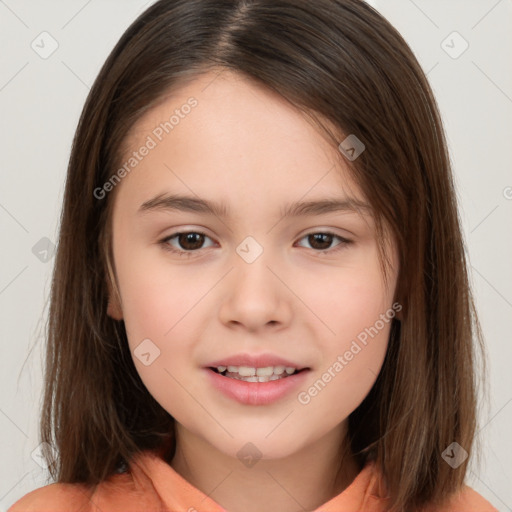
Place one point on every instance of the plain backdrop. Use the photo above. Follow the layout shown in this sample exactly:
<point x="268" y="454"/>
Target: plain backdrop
<point x="463" y="46"/>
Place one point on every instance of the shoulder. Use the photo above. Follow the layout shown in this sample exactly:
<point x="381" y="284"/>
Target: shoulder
<point x="56" y="497"/>
<point x="119" y="493"/>
<point x="466" y="500"/>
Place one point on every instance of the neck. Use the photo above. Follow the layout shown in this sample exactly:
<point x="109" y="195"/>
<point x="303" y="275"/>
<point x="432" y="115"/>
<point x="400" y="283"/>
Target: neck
<point x="303" y="481"/>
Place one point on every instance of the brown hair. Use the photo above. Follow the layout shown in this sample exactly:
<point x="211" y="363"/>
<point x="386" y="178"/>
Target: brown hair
<point x="339" y="60"/>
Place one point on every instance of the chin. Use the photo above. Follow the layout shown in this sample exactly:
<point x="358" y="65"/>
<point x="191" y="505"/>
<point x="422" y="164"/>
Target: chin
<point x="249" y="449"/>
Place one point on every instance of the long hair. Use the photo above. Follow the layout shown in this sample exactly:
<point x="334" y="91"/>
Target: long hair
<point x="344" y="65"/>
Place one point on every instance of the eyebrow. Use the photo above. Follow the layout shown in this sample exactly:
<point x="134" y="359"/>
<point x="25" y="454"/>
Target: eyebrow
<point x="191" y="204"/>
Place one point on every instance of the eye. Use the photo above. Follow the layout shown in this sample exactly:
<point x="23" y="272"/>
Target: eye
<point x="322" y="240"/>
<point x="191" y="241"/>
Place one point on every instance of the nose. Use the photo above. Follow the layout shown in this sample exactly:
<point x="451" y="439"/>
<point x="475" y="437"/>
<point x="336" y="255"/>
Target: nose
<point x="255" y="297"/>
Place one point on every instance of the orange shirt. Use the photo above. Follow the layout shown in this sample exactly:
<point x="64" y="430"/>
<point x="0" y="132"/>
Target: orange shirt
<point x="153" y="485"/>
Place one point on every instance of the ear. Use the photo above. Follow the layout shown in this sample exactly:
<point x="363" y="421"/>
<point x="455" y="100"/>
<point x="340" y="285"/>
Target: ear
<point x="114" y="309"/>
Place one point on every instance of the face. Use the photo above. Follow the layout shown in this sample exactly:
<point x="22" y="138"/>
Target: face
<point x="247" y="285"/>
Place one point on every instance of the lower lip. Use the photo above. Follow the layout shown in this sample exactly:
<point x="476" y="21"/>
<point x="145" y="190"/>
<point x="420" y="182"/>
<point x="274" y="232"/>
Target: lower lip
<point x="256" y="393"/>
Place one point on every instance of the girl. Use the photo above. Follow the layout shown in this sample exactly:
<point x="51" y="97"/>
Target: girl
<point x="260" y="297"/>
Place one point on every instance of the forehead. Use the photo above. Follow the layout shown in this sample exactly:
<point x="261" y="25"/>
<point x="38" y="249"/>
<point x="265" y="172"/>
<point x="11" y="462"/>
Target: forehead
<point x="222" y="132"/>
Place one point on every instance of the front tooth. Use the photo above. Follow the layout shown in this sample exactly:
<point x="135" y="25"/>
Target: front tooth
<point x="278" y="370"/>
<point x="289" y="370"/>
<point x="265" y="372"/>
<point x="245" y="371"/>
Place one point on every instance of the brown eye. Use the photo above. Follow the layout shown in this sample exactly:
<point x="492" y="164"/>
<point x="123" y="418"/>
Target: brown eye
<point x="322" y="241"/>
<point x="187" y="242"/>
<point x="190" y="241"/>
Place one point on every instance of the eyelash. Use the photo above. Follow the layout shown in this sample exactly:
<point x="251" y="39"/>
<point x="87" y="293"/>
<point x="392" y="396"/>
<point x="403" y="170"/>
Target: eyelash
<point x="344" y="242"/>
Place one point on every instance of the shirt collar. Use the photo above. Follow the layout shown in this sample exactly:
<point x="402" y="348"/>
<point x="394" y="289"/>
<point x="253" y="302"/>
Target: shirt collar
<point x="366" y="492"/>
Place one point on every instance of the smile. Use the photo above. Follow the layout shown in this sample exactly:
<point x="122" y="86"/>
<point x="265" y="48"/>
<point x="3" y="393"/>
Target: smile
<point x="252" y="374"/>
<point x="262" y="386"/>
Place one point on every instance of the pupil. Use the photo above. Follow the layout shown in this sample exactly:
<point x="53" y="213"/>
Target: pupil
<point x="187" y="239"/>
<point x="317" y="237"/>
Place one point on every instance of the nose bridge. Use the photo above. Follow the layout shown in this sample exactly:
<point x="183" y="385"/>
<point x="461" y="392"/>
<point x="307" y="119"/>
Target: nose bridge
<point x="253" y="274"/>
<point x="256" y="296"/>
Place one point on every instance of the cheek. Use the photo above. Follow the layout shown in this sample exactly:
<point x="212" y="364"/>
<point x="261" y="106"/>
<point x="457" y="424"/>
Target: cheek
<point x="155" y="314"/>
<point x="346" y="300"/>
<point x="150" y="304"/>
<point x="356" y="314"/>
<point x="156" y="297"/>
<point x="161" y="309"/>
<point x="343" y="381"/>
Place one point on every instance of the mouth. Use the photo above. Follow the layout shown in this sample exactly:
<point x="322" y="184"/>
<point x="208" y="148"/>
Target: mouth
<point x="254" y="374"/>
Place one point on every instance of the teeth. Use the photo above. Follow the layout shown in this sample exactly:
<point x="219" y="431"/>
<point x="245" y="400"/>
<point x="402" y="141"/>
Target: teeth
<point x="264" y="372"/>
<point x="250" y="374"/>
<point x="245" y="371"/>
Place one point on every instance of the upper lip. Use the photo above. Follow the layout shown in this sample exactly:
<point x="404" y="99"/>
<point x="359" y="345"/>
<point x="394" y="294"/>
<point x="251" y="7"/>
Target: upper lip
<point x="255" y="361"/>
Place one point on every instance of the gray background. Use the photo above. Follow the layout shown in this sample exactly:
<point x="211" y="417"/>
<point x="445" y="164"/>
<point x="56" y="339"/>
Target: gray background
<point x="41" y="99"/>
